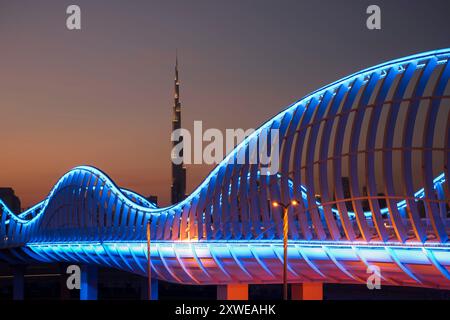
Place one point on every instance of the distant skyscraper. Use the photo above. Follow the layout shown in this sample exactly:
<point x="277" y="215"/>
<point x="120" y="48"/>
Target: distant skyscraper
<point x="178" y="191"/>
<point x="10" y="199"/>
<point x="153" y="199"/>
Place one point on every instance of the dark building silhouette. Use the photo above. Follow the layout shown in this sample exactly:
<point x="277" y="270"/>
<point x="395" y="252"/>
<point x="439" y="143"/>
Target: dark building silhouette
<point x="10" y="199"/>
<point x="347" y="194"/>
<point x="365" y="203"/>
<point x="382" y="200"/>
<point x="178" y="189"/>
<point x="421" y="209"/>
<point x="346" y="187"/>
<point x="152" y="199"/>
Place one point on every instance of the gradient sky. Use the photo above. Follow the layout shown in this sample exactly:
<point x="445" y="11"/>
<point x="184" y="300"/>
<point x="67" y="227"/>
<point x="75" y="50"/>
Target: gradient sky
<point x="103" y="96"/>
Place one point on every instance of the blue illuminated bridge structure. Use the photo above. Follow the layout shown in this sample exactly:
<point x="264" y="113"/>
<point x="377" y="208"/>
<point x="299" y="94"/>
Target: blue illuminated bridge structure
<point x="366" y="157"/>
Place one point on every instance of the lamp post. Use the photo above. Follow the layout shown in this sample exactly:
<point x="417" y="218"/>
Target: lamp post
<point x="149" y="267"/>
<point x="285" y="207"/>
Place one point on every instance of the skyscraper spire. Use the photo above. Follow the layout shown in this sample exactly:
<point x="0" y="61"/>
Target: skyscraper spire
<point x="176" y="67"/>
<point x="178" y="190"/>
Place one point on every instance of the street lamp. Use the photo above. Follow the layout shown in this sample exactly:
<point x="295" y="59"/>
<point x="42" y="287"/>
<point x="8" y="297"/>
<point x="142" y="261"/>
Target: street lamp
<point x="149" y="266"/>
<point x="285" y="207"/>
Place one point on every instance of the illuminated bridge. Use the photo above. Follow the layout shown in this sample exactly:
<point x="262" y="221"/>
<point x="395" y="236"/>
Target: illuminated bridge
<point x="366" y="157"/>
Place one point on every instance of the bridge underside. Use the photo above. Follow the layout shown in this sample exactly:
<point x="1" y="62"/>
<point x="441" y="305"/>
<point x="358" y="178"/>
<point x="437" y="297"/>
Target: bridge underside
<point x="229" y="262"/>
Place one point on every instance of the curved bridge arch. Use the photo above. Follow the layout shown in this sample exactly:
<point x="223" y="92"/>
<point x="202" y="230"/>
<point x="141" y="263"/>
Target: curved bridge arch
<point x="386" y="128"/>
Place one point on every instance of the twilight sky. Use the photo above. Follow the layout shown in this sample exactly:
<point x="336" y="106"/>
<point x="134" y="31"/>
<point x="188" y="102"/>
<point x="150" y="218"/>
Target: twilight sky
<point x="103" y="96"/>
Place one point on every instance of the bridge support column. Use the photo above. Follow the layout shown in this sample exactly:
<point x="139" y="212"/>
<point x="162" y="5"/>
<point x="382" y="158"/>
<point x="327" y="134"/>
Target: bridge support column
<point x="18" y="282"/>
<point x="89" y="282"/>
<point x="232" y="292"/>
<point x="64" y="292"/>
<point x="144" y="289"/>
<point x="307" y="291"/>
